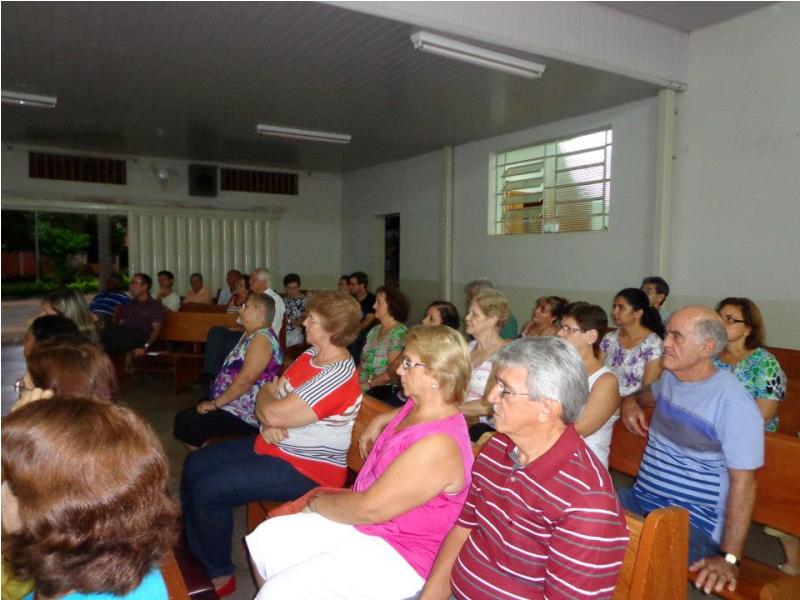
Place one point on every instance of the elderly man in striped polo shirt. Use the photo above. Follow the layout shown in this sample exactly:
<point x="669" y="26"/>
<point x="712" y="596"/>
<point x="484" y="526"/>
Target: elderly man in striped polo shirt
<point x="541" y="519"/>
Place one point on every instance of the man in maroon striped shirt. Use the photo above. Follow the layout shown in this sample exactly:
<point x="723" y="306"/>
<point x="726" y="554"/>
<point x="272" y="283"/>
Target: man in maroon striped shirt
<point x="541" y="519"/>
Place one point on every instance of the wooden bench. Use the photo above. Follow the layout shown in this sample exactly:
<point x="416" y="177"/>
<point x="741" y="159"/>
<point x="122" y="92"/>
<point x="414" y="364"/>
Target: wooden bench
<point x="176" y="586"/>
<point x="207" y="308"/>
<point x="188" y="327"/>
<point x="789" y="409"/>
<point x="777" y="502"/>
<point x="258" y="511"/>
<point x="658" y="549"/>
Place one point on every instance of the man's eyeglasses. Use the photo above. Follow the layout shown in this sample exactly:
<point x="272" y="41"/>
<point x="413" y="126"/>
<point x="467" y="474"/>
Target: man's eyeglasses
<point x="569" y="329"/>
<point x="409" y="364"/>
<point x="504" y="391"/>
<point x="731" y="320"/>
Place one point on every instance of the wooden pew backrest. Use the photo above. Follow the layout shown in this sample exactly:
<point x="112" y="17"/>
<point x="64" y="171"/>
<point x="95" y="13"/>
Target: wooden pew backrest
<point x="206" y="308"/>
<point x="173" y="578"/>
<point x="193" y="326"/>
<point x="627" y="448"/>
<point x="656" y="557"/>
<point x="778" y="491"/>
<point x="789" y="409"/>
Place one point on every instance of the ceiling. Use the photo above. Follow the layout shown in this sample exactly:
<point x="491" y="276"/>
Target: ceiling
<point x="190" y="80"/>
<point x="687" y="16"/>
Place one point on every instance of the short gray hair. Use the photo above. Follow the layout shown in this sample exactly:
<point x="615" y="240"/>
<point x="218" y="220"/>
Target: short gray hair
<point x="261" y="274"/>
<point x="711" y="330"/>
<point x="555" y="372"/>
<point x="476" y="286"/>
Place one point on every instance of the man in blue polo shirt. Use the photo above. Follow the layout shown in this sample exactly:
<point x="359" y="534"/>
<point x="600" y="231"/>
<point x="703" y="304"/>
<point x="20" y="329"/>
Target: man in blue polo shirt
<point x="705" y="441"/>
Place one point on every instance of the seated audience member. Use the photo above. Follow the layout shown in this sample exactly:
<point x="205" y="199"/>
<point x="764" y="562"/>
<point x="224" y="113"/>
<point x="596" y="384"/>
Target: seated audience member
<point x="306" y="422"/>
<point x="546" y="316"/>
<point x="473" y="288"/>
<point x="357" y="285"/>
<point x="254" y="361"/>
<point x="633" y="352"/>
<point x="583" y="326"/>
<point x="221" y="340"/>
<point x="69" y="303"/>
<point x="225" y="292"/>
<point x="380" y="541"/>
<point x="66" y="367"/>
<point x="657" y="290"/>
<point x="487" y="314"/>
<point x="86" y="513"/>
<point x="166" y="294"/>
<point x="541" y="519"/>
<point x="295" y="310"/>
<point x="441" y="312"/>
<point x="380" y="356"/>
<point x="761" y="375"/>
<point x="343" y="285"/>
<point x="140" y="321"/>
<point x="706" y="439"/>
<point x="50" y="327"/>
<point x="238" y="297"/>
<point x="105" y="302"/>
<point x="197" y="293"/>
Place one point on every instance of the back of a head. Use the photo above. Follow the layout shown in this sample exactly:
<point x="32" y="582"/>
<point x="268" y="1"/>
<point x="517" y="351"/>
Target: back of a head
<point x="49" y="327"/>
<point x="476" y="286"/>
<point x="555" y="371"/>
<point x="70" y="304"/>
<point x="73" y="369"/>
<point x="91" y="482"/>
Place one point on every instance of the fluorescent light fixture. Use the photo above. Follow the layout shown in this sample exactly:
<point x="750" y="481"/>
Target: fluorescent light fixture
<point x="23" y="99"/>
<point x="436" y="44"/>
<point x="303" y="134"/>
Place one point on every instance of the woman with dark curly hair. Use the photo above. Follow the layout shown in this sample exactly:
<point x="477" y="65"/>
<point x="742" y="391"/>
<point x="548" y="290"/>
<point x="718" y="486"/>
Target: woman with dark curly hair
<point x="381" y="354"/>
<point x="86" y="512"/>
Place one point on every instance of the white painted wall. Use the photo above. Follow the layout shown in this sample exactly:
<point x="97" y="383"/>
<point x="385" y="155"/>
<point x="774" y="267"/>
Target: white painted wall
<point x="737" y="173"/>
<point x="413" y="188"/>
<point x="308" y="238"/>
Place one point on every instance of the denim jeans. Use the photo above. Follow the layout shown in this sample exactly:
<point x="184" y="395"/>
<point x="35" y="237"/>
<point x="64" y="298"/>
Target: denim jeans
<point x="701" y="545"/>
<point x="218" y="478"/>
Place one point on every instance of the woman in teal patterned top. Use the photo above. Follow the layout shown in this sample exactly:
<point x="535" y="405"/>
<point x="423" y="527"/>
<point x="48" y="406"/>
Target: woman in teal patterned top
<point x="381" y="355"/>
<point x="756" y="369"/>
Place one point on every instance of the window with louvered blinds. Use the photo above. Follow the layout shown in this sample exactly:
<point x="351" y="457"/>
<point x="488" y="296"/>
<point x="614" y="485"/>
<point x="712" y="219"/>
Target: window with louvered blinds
<point x="554" y="187"/>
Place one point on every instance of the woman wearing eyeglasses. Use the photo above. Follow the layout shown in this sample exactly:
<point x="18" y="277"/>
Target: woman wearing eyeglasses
<point x="380" y="541"/>
<point x="583" y="326"/>
<point x="761" y="375"/>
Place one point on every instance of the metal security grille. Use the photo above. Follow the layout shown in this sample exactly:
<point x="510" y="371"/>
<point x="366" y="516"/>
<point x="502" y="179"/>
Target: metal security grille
<point x="554" y="187"/>
<point x="88" y="169"/>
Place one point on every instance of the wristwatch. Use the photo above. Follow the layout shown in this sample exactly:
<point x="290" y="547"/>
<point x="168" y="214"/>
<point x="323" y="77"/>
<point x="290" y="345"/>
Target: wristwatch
<point x="731" y="558"/>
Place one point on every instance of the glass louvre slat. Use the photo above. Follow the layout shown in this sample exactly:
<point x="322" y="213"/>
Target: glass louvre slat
<point x="533" y="185"/>
<point x="583" y="142"/>
<point x="579" y="192"/>
<point x="522" y="199"/>
<point x="582" y="159"/>
<point x="586" y="175"/>
<point x="524" y="155"/>
<point x="525" y="169"/>
<point x="595" y="207"/>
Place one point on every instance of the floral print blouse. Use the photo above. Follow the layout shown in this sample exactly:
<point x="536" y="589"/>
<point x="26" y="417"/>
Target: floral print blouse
<point x="761" y="376"/>
<point x="628" y="365"/>
<point x="375" y="355"/>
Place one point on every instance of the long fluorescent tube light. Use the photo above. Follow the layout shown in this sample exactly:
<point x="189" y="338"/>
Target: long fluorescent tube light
<point x="436" y="44"/>
<point x="23" y="99"/>
<point x="303" y="134"/>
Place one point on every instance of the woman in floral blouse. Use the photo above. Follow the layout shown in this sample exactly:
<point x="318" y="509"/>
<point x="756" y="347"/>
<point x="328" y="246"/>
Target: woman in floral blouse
<point x="633" y="352"/>
<point x="381" y="354"/>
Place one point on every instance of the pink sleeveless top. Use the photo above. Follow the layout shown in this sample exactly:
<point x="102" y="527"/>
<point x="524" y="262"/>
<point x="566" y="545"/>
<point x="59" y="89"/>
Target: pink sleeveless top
<point x="418" y="533"/>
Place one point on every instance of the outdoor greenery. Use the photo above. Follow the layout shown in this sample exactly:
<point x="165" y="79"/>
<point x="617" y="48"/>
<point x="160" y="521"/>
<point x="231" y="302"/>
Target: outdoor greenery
<point x="30" y="289"/>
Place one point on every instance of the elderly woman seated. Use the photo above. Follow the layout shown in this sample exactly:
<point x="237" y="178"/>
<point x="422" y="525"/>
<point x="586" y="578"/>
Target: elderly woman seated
<point x="306" y="422"/>
<point x="255" y="360"/>
<point x="380" y="541"/>
<point x="86" y="514"/>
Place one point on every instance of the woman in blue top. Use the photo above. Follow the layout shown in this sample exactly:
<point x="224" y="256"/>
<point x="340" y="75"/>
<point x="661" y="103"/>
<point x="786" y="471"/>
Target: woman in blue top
<point x="86" y="512"/>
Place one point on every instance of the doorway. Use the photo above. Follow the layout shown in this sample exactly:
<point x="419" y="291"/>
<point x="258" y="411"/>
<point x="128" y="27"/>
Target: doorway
<point x="391" y="249"/>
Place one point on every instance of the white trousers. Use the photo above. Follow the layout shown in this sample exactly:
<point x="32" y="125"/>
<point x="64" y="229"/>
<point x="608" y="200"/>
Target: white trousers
<point x="306" y="556"/>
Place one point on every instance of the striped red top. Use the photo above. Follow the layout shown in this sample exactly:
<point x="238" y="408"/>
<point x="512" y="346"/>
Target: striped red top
<point x="551" y="529"/>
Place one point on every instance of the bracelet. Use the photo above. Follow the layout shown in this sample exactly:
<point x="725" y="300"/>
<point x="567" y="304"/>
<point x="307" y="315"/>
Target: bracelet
<point x="214" y="402"/>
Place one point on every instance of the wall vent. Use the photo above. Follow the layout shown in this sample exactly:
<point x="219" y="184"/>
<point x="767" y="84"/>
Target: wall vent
<point x="260" y="182"/>
<point x="89" y="169"/>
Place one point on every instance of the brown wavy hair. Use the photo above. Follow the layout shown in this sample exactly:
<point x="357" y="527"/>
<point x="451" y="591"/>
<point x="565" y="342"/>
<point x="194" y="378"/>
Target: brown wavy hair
<point x="73" y="369"/>
<point x="751" y="315"/>
<point x="396" y="302"/>
<point x="341" y="315"/>
<point x="91" y="481"/>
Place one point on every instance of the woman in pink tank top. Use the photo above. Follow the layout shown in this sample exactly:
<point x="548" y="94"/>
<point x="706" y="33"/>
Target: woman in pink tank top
<point x="381" y="540"/>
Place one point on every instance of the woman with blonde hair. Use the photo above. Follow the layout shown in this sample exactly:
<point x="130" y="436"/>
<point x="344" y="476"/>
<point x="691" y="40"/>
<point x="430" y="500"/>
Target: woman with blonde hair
<point x="488" y="312"/>
<point x="70" y="304"/>
<point x="380" y="540"/>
